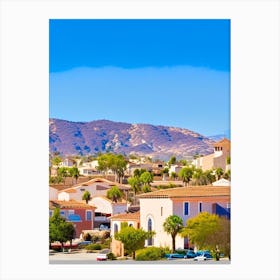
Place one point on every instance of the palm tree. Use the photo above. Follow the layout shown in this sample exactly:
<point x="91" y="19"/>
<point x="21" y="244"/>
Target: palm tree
<point x="186" y="174"/>
<point x="134" y="182"/>
<point x="114" y="194"/>
<point x="74" y="172"/>
<point x="173" y="225"/>
<point x="86" y="196"/>
<point x="63" y="172"/>
<point x="219" y="172"/>
<point x="198" y="176"/>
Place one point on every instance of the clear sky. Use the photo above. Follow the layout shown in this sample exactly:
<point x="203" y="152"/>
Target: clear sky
<point x="163" y="72"/>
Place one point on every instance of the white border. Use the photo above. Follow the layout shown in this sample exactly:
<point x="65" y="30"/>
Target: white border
<point x="254" y="131"/>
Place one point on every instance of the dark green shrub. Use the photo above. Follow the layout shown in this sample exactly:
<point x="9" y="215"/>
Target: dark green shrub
<point x="111" y="256"/>
<point x="93" y="247"/>
<point x="150" y="254"/>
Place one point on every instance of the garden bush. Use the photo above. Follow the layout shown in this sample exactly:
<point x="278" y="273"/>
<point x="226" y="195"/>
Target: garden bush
<point x="111" y="256"/>
<point x="150" y="254"/>
<point x="93" y="247"/>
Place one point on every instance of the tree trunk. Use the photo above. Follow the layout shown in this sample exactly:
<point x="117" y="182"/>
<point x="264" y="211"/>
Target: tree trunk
<point x="173" y="244"/>
<point x="133" y="255"/>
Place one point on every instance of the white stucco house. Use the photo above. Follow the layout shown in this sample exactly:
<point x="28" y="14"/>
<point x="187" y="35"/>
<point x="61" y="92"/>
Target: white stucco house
<point x="105" y="208"/>
<point x="96" y="187"/>
<point x="185" y="202"/>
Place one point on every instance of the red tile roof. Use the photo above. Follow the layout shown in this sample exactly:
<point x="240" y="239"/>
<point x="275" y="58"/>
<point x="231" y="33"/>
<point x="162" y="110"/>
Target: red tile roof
<point x="190" y="191"/>
<point x="70" y="204"/>
<point x="126" y="216"/>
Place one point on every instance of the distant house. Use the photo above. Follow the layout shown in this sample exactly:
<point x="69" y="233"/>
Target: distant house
<point x="67" y="162"/>
<point x="217" y="159"/>
<point x="105" y="208"/>
<point x="79" y="213"/>
<point x="96" y="187"/>
<point x="185" y="202"/>
<point x="88" y="168"/>
<point x="174" y="168"/>
<point x="131" y="167"/>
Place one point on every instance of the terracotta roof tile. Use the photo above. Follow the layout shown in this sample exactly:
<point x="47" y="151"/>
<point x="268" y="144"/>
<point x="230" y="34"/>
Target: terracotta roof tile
<point x="126" y="216"/>
<point x="69" y="204"/>
<point x="190" y="191"/>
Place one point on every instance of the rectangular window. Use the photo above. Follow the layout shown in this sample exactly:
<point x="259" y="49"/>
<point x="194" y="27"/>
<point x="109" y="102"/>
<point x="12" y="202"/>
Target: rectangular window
<point x="62" y="213"/>
<point x="199" y="207"/>
<point x="71" y="212"/>
<point x="161" y="210"/>
<point x="186" y="208"/>
<point x="88" y="215"/>
<point x="51" y="213"/>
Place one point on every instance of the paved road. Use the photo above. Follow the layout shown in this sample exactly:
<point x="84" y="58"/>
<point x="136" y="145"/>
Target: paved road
<point x="90" y="258"/>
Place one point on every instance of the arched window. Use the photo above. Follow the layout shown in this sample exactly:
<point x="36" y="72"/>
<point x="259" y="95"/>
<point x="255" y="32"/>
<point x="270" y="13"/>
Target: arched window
<point x="150" y="226"/>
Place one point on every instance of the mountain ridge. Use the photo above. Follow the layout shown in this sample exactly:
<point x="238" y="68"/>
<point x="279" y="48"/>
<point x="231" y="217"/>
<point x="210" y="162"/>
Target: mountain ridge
<point x="156" y="141"/>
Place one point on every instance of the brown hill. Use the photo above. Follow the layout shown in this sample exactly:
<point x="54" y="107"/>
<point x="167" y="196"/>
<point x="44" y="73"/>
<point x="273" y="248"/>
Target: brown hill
<point x="82" y="138"/>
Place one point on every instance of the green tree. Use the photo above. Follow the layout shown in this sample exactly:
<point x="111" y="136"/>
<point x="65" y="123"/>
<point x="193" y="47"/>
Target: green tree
<point x="183" y="162"/>
<point x="186" y="174"/>
<point x="56" y="160"/>
<point x="133" y="239"/>
<point x="135" y="183"/>
<point x="173" y="175"/>
<point x="114" y="194"/>
<point x="74" y="173"/>
<point x="62" y="172"/>
<point x="227" y="175"/>
<point x="219" y="172"/>
<point x="59" y="229"/>
<point x="146" y="188"/>
<point x="172" y="160"/>
<point x="209" y="176"/>
<point x="173" y="225"/>
<point x="86" y="196"/>
<point x="198" y="176"/>
<point x="146" y="178"/>
<point x="209" y="231"/>
<point x="228" y="160"/>
<point x="118" y="165"/>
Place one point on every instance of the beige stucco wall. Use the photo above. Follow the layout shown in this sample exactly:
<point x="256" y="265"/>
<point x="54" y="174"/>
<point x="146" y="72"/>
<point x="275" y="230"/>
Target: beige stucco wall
<point x="53" y="194"/>
<point x="151" y="208"/>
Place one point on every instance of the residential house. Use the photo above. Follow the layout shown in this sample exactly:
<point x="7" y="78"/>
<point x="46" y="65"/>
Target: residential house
<point x="96" y="187"/>
<point x="88" y="168"/>
<point x="78" y="212"/>
<point x="105" y="208"/>
<point x="132" y="219"/>
<point x="67" y="162"/>
<point x="174" y="168"/>
<point x="217" y="159"/>
<point x="185" y="202"/>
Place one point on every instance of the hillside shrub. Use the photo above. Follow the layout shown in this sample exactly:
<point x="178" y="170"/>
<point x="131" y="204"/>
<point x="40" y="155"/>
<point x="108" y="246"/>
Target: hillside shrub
<point x="150" y="254"/>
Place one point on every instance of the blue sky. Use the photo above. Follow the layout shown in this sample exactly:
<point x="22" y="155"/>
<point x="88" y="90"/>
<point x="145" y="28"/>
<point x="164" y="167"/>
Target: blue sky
<point x="163" y="72"/>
